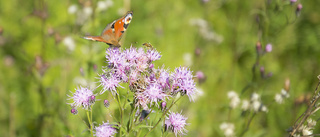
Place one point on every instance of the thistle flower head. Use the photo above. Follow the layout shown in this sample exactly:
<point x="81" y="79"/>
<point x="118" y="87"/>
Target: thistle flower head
<point x="183" y="81"/>
<point x="105" y="130"/>
<point x="109" y="82"/>
<point x="154" y="93"/>
<point x="176" y="123"/>
<point x="153" y="55"/>
<point x="82" y="97"/>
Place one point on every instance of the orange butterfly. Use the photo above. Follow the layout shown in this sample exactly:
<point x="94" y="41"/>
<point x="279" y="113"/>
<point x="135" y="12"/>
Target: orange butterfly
<point x="114" y="31"/>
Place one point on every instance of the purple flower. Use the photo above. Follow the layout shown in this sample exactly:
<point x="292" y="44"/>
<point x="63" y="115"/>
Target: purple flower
<point x="141" y="100"/>
<point x="153" y="55"/>
<point x="154" y="93"/>
<point x="183" y="82"/>
<point x="130" y="54"/>
<point x="163" y="79"/>
<point x="114" y="58"/>
<point x="268" y="47"/>
<point x="105" y="130"/>
<point x="176" y="123"/>
<point x="82" y="97"/>
<point x="293" y="1"/>
<point x="109" y="82"/>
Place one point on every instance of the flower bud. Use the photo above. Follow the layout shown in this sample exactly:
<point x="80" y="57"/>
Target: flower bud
<point x="201" y="77"/>
<point x="163" y="106"/>
<point x="106" y="103"/>
<point x="74" y="111"/>
<point x="298" y="9"/>
<point x="258" y="48"/>
<point x="262" y="72"/>
<point x="92" y="99"/>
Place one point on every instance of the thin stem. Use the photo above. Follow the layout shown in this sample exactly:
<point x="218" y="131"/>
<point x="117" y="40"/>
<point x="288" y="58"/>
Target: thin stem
<point x="121" y="111"/>
<point x="248" y="125"/>
<point x="90" y="122"/>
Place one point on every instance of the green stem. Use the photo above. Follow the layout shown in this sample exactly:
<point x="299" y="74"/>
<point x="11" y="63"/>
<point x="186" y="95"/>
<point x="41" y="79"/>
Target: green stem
<point x="90" y="122"/>
<point x="121" y="111"/>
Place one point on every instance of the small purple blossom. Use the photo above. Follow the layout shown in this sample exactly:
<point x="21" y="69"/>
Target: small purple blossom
<point x="268" y="47"/>
<point x="176" y="123"/>
<point x="154" y="93"/>
<point x="293" y="1"/>
<point x="81" y="97"/>
<point x="109" y="82"/>
<point x="105" y="130"/>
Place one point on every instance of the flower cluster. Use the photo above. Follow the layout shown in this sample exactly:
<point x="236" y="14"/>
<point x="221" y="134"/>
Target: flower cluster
<point x="150" y="86"/>
<point x="279" y="97"/>
<point x="306" y="129"/>
<point x="228" y="129"/>
<point x="255" y="102"/>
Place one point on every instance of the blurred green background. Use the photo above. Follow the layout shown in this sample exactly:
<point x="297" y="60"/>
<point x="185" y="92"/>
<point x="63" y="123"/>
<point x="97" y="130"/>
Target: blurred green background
<point x="43" y="57"/>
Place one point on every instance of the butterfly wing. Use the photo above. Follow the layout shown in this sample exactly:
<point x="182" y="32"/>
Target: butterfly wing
<point x="113" y="31"/>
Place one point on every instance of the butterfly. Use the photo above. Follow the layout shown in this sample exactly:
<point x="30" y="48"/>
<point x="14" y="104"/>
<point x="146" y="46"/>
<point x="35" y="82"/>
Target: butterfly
<point x="114" y="31"/>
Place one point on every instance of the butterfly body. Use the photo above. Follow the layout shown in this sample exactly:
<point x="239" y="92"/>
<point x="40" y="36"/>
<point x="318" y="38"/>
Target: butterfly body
<point x="114" y="31"/>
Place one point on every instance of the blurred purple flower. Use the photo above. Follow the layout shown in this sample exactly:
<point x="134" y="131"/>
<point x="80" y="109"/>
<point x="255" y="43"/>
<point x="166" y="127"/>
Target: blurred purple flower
<point x="293" y="1"/>
<point x="105" y="130"/>
<point x="176" y="123"/>
<point x="268" y="47"/>
<point x="81" y="97"/>
<point x="201" y="77"/>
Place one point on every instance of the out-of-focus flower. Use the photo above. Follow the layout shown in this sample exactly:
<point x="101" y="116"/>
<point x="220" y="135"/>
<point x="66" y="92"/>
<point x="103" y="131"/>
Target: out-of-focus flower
<point x="234" y="99"/>
<point x="69" y="43"/>
<point x="298" y="9"/>
<point x="81" y="97"/>
<point x="105" y="130"/>
<point x="187" y="57"/>
<point x="201" y="77"/>
<point x="245" y="105"/>
<point x="228" y="129"/>
<point x="268" y="47"/>
<point x="204" y="30"/>
<point x="176" y="123"/>
<point x="279" y="97"/>
<point x="311" y="123"/>
<point x="258" y="48"/>
<point x="104" y="5"/>
<point x="307" y="131"/>
<point x="293" y="1"/>
<point x="72" y="9"/>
